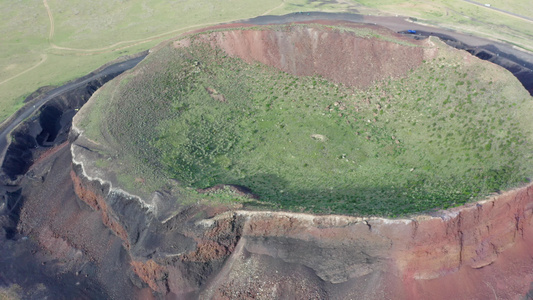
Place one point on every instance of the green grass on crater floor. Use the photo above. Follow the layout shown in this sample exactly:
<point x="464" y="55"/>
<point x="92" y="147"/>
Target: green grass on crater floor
<point x="447" y="134"/>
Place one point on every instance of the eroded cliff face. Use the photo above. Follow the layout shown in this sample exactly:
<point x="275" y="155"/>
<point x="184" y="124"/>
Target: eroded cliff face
<point x="308" y="50"/>
<point x="98" y="242"/>
<point x="480" y="251"/>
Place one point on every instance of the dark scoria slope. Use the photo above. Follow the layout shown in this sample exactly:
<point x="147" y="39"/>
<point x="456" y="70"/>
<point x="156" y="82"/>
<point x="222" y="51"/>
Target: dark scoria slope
<point x="49" y="128"/>
<point x="51" y="243"/>
<point x="59" y="247"/>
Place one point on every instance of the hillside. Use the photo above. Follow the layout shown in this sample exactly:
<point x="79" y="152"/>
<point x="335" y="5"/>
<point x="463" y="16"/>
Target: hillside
<point x="323" y="118"/>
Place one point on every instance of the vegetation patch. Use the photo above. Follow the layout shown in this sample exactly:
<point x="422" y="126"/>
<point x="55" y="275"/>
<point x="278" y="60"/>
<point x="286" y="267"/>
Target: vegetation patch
<point x="447" y="133"/>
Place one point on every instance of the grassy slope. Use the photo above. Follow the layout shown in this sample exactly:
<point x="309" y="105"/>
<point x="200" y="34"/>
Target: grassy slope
<point x="448" y="134"/>
<point x="101" y="24"/>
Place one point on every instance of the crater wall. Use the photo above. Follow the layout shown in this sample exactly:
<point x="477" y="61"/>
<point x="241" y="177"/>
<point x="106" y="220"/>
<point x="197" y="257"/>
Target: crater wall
<point x="365" y="54"/>
<point x="477" y="251"/>
<point x="86" y="228"/>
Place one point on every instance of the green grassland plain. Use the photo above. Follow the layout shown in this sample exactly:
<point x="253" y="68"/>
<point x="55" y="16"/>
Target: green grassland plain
<point x="448" y="133"/>
<point x="466" y="17"/>
<point x="85" y="35"/>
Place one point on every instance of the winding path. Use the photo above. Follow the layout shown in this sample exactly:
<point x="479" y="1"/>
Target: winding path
<point x="51" y="18"/>
<point x="29" y="110"/>
<point x="500" y="10"/>
<point x="131" y="43"/>
<point x="273" y="9"/>
<point x="44" y="57"/>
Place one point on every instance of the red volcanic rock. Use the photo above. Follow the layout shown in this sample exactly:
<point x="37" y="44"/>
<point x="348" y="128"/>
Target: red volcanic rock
<point x="366" y="54"/>
<point x="479" y="251"/>
<point x="207" y="251"/>
<point x="151" y="273"/>
<point x="97" y="202"/>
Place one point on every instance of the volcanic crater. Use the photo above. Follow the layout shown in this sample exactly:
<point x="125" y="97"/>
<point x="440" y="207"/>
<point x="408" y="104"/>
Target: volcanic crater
<point x="186" y="177"/>
<point x="407" y="125"/>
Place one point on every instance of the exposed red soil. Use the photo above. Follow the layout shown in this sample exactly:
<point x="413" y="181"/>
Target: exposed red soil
<point x="313" y="50"/>
<point x="97" y="202"/>
<point x="46" y="154"/>
<point x="480" y="251"/>
<point x="151" y="273"/>
<point x="207" y="251"/>
<point x="485" y="250"/>
<point x="216" y="243"/>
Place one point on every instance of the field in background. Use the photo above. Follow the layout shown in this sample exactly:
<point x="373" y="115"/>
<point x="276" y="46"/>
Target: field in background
<point x="465" y="17"/>
<point x="520" y="7"/>
<point x="88" y="34"/>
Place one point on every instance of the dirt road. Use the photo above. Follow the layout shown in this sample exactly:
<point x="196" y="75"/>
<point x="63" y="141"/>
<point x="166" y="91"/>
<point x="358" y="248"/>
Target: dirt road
<point x="28" y="111"/>
<point x="500" y="10"/>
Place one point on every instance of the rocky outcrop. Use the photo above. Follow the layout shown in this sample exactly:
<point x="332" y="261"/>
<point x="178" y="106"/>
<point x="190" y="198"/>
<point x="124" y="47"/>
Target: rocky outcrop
<point x="97" y="202"/>
<point x="479" y="251"/>
<point x="172" y="257"/>
<point x="460" y="254"/>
